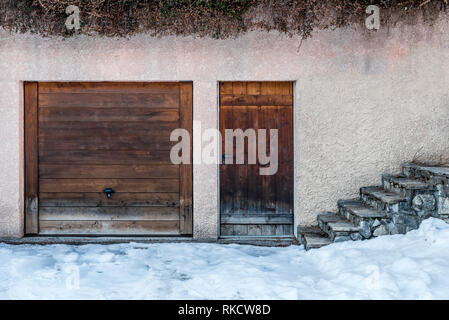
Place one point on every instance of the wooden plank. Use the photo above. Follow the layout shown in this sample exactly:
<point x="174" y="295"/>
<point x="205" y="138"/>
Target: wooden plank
<point x="238" y="88"/>
<point x="185" y="170"/>
<point x="103" y="142"/>
<point x="109" y="100"/>
<point x="268" y="182"/>
<point x="108" y="171"/>
<point x="108" y="213"/>
<point x="64" y="129"/>
<point x="119" y="199"/>
<point x="256" y="230"/>
<point x="253" y="88"/>
<point x="109" y="87"/>
<point x="277" y="230"/>
<point x="257" y="218"/>
<point x="226" y="172"/>
<point x="31" y="157"/>
<point x="284" y="176"/>
<point x="226" y="229"/>
<point x="284" y="88"/>
<point x="167" y="227"/>
<point x="268" y="88"/>
<point x="287" y="229"/>
<point x="104" y="157"/>
<point x="233" y="230"/>
<point x="225" y="87"/>
<point x="107" y="114"/>
<point x="254" y="181"/>
<point x="222" y="167"/>
<point x="119" y="185"/>
<point x="240" y="195"/>
<point x="256" y="100"/>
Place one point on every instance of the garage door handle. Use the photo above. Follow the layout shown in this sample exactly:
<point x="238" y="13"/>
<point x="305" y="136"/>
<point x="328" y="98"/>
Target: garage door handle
<point x="108" y="192"/>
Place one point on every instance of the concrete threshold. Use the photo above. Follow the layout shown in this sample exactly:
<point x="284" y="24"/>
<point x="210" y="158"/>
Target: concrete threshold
<point x="44" y="240"/>
<point x="82" y="240"/>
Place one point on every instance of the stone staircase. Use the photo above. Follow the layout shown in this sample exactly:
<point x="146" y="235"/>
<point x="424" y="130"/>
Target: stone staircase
<point x="399" y="205"/>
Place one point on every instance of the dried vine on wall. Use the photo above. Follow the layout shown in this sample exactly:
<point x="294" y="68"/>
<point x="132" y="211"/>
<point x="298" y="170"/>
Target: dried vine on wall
<point x="213" y="18"/>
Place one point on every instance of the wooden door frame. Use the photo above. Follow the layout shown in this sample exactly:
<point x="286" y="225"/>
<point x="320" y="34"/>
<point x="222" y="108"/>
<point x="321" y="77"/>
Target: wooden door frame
<point x="186" y="170"/>
<point x="294" y="234"/>
<point x="31" y="156"/>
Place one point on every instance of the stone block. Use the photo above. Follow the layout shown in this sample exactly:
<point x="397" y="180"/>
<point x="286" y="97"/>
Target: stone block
<point x="443" y="206"/>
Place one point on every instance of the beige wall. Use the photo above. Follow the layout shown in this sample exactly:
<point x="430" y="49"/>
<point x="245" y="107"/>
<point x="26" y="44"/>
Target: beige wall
<point x="364" y="102"/>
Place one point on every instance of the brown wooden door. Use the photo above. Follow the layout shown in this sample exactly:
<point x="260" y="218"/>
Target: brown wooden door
<point x="82" y="138"/>
<point x="253" y="204"/>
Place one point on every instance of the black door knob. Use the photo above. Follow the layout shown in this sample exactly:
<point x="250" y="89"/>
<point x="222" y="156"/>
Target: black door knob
<point x="108" y="192"/>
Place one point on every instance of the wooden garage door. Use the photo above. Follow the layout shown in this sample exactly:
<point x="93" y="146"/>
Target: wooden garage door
<point x="252" y="204"/>
<point x="82" y="138"/>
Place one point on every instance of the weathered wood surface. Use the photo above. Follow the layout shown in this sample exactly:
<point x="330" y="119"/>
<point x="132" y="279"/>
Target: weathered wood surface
<point x="107" y="114"/>
<point x="256" y="218"/>
<point x="109" y="100"/>
<point x="119" y="185"/>
<point x="96" y="227"/>
<point x="31" y="157"/>
<point x="97" y="199"/>
<point x="186" y="170"/>
<point x="63" y="129"/>
<point x="97" y="142"/>
<point x="108" y="213"/>
<point x="109" y="87"/>
<point x="256" y="100"/>
<point x="256" y="229"/>
<point x="250" y="202"/>
<point x="83" y="157"/>
<point x="94" y="135"/>
<point x="169" y="171"/>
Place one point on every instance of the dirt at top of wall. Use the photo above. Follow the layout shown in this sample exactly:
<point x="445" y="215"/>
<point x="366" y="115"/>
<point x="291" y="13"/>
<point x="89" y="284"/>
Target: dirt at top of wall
<point x="207" y="18"/>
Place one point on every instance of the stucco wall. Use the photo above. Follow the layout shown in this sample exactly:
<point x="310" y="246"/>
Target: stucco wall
<point x="365" y="102"/>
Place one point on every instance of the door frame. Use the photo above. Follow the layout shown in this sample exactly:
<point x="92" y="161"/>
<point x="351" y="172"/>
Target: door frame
<point x="31" y="156"/>
<point x="295" y="231"/>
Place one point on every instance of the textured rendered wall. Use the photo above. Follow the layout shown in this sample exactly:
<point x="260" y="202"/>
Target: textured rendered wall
<point x="365" y="102"/>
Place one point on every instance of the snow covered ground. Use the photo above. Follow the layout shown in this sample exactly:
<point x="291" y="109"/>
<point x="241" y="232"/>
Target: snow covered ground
<point x="414" y="266"/>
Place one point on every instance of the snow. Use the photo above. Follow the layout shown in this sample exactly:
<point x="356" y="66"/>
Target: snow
<point x="411" y="266"/>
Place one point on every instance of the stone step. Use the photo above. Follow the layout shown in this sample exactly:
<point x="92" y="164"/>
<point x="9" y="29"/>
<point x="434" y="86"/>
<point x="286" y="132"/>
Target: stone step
<point x="337" y="227"/>
<point x="403" y="185"/>
<point x="420" y="195"/>
<point x="445" y="218"/>
<point x="398" y="206"/>
<point x="361" y="215"/>
<point x="429" y="174"/>
<point x="358" y="209"/>
<point x="312" y="237"/>
<point x="378" y="198"/>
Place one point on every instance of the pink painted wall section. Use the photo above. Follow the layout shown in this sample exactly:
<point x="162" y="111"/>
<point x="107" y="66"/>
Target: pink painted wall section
<point x="365" y="102"/>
